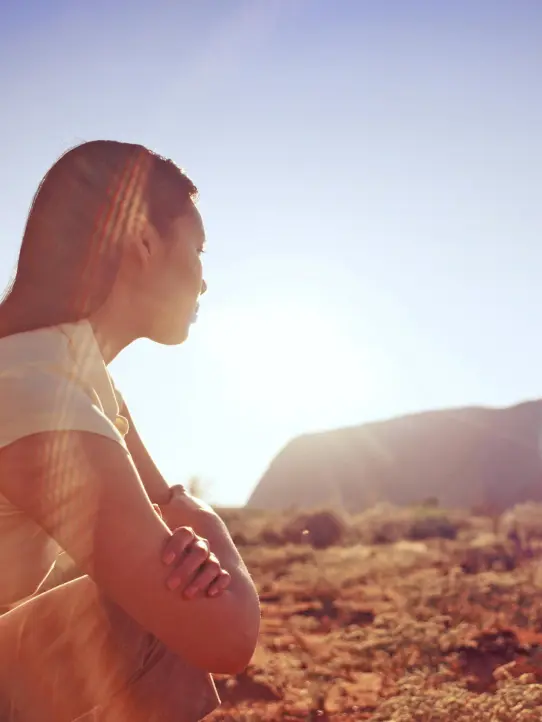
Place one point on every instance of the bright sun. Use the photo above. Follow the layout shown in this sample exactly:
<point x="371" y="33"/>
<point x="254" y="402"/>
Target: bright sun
<point x="287" y="357"/>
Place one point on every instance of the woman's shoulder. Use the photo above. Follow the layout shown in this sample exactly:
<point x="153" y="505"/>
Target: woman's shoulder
<point x="32" y="349"/>
<point x="53" y="379"/>
<point x="68" y="351"/>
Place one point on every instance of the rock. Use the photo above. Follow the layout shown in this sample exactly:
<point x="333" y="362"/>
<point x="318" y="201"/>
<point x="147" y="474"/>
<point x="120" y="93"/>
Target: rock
<point x="458" y="458"/>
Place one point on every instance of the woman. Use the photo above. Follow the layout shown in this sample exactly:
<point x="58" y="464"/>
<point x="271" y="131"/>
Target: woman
<point x="111" y="253"/>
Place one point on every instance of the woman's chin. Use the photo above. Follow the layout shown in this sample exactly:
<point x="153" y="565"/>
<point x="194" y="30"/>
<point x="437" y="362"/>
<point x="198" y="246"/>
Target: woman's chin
<point x="171" y="336"/>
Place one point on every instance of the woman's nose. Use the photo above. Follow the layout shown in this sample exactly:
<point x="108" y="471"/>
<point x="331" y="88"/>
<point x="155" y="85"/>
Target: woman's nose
<point x="203" y="287"/>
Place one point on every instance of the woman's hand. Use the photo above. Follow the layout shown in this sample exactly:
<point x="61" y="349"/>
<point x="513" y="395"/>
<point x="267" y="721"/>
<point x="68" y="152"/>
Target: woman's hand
<point x="195" y="568"/>
<point x="191" y="551"/>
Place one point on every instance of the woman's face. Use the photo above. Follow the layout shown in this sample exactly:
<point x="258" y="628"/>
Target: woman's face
<point x="174" y="280"/>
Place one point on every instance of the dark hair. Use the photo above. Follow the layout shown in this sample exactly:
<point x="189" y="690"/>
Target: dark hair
<point x="79" y="217"/>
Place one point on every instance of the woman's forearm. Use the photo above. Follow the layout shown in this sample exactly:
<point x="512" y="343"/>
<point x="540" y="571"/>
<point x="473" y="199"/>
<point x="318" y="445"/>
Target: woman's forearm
<point x="242" y="615"/>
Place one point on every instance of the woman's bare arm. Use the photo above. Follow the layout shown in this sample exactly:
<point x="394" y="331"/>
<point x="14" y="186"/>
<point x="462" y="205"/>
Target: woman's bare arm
<point x="84" y="490"/>
<point x="155" y="485"/>
<point x="183" y="511"/>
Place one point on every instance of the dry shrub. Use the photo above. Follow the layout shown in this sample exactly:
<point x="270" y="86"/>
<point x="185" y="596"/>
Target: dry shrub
<point x="432" y="526"/>
<point x="271" y="537"/>
<point x="488" y="552"/>
<point x="387" y="524"/>
<point x="246" y="526"/>
<point x="317" y="528"/>
<point x="323" y="528"/>
<point x="320" y="529"/>
<point x="523" y="522"/>
<point x="381" y="524"/>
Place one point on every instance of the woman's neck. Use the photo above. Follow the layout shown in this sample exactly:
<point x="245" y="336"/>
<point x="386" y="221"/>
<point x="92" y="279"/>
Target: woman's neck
<point x="111" y="331"/>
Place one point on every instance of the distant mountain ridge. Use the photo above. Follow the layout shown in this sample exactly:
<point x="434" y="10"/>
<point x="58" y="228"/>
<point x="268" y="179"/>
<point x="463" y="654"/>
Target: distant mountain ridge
<point x="467" y="457"/>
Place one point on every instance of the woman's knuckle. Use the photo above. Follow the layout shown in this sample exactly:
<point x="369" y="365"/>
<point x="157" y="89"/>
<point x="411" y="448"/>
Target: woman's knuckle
<point x="183" y="534"/>
<point x="200" y="552"/>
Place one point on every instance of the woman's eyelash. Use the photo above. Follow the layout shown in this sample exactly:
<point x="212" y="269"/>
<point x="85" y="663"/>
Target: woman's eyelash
<point x="201" y="250"/>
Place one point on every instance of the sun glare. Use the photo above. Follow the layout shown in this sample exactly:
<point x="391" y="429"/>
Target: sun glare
<point x="288" y="357"/>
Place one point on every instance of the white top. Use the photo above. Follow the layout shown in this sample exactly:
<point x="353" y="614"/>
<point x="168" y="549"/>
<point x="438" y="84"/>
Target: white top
<point x="51" y="379"/>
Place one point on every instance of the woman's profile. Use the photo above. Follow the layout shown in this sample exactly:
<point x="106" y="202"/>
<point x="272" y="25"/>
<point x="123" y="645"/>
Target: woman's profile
<point x="161" y="600"/>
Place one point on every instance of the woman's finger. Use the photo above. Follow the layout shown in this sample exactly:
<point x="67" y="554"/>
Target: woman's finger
<point x="177" y="544"/>
<point x="220" y="584"/>
<point x="207" y="574"/>
<point x="195" y="555"/>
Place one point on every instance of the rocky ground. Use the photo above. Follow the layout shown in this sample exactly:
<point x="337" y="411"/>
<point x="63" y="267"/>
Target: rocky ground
<point x="415" y="615"/>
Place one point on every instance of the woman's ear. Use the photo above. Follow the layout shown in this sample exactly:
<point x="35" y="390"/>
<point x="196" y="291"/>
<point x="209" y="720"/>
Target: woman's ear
<point x="143" y="241"/>
<point x="147" y="245"/>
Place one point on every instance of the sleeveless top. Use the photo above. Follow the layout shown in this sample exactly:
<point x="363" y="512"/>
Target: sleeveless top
<point x="51" y="379"/>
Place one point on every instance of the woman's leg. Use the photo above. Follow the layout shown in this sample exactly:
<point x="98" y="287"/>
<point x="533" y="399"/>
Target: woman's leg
<point x="70" y="654"/>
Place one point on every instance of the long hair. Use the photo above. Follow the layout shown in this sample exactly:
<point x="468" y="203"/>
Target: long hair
<point x="83" y="210"/>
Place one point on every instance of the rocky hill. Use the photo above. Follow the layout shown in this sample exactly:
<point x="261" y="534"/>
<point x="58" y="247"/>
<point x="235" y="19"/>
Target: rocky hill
<point x="472" y="457"/>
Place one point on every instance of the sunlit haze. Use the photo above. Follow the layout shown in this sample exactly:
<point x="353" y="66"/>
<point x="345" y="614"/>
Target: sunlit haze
<point x="370" y="177"/>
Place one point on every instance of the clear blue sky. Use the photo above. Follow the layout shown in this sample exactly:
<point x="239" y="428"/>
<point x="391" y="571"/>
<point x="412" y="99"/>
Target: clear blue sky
<point x="371" y="182"/>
